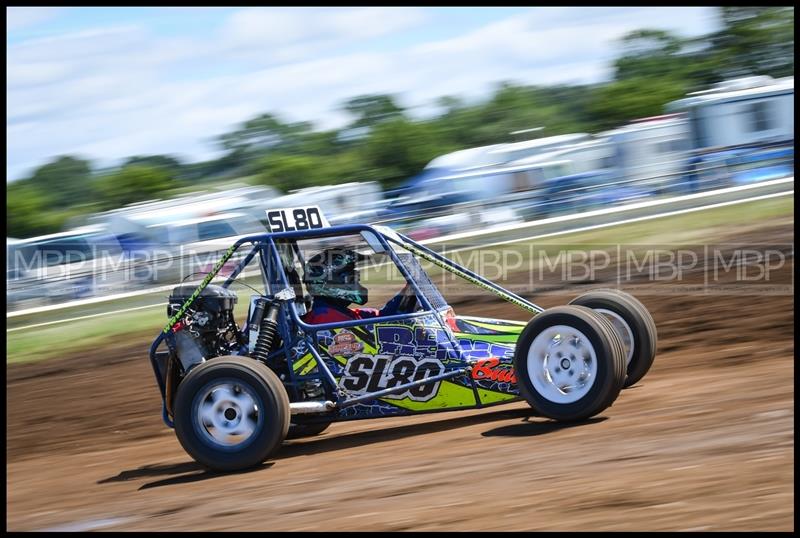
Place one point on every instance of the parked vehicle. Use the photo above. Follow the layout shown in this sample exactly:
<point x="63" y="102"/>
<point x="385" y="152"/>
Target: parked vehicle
<point x="729" y="167"/>
<point x="190" y="246"/>
<point x="651" y="152"/>
<point x="75" y="264"/>
<point x="433" y="190"/>
<point x="743" y="111"/>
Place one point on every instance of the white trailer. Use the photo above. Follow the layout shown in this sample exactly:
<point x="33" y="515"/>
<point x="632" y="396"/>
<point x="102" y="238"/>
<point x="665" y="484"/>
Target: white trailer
<point x="515" y="151"/>
<point x="651" y="151"/>
<point x="748" y="110"/>
<point x="498" y="154"/>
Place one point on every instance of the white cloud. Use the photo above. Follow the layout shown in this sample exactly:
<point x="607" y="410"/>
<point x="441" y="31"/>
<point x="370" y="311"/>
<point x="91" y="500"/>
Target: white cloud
<point x="115" y="92"/>
<point x="271" y="36"/>
<point x="35" y="64"/>
<point x="23" y="17"/>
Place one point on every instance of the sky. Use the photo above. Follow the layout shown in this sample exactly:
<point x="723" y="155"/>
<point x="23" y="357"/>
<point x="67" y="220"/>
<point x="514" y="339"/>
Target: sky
<point x="108" y="83"/>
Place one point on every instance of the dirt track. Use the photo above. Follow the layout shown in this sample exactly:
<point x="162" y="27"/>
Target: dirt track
<point x="704" y="442"/>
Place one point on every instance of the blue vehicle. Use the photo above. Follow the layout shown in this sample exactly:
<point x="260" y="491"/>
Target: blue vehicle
<point x="583" y="192"/>
<point x="422" y="196"/>
<point x="739" y="166"/>
<point x="762" y="164"/>
<point x="233" y="394"/>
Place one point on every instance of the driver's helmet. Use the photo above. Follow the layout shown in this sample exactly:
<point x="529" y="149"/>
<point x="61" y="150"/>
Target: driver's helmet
<point x="332" y="273"/>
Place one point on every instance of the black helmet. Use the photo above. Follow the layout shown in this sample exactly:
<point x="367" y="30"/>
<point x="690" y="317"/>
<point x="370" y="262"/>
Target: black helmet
<point x="332" y="273"/>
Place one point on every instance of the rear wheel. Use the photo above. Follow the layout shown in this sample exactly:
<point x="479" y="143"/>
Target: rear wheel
<point x="231" y="413"/>
<point x="633" y="323"/>
<point x="569" y="363"/>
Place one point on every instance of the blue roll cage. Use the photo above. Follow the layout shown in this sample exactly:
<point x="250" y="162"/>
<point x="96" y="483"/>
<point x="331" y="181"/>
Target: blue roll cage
<point x="292" y="329"/>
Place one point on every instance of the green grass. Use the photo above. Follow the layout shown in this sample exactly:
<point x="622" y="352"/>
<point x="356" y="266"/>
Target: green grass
<point x="72" y="337"/>
<point x="159" y="298"/>
<point x="687" y="229"/>
<point x="694" y="227"/>
<point x="54" y="340"/>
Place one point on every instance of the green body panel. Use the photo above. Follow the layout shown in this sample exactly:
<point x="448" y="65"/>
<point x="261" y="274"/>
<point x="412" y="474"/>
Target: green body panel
<point x="424" y="343"/>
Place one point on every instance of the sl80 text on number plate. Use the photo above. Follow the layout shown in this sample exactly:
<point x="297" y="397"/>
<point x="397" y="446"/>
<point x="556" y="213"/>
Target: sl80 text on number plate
<point x="295" y="219"/>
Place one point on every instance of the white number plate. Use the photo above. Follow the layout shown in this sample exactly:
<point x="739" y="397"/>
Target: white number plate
<point x="295" y="219"/>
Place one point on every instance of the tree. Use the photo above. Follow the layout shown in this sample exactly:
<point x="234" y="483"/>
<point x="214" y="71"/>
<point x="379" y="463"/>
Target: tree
<point x="569" y="105"/>
<point x="371" y="110"/>
<point x="133" y="183"/>
<point x="513" y="108"/>
<point x="751" y="41"/>
<point x="65" y="179"/>
<point x="649" y="53"/>
<point x="320" y="143"/>
<point x="754" y="41"/>
<point x="226" y="166"/>
<point x="167" y="162"/>
<point x="289" y="172"/>
<point x="450" y="104"/>
<point x="30" y="211"/>
<point x="616" y="103"/>
<point x="266" y="132"/>
<point x="399" y="149"/>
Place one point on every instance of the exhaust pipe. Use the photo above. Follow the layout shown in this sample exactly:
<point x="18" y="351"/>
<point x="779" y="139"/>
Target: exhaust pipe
<point x="309" y="408"/>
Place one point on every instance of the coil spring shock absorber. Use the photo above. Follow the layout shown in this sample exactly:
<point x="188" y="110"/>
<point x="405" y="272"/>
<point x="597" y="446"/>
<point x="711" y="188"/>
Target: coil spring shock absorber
<point x="268" y="312"/>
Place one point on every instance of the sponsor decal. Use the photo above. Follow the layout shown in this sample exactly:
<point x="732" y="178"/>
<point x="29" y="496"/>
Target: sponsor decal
<point x="492" y="370"/>
<point x="345" y="344"/>
<point x="370" y="373"/>
<point x="418" y="341"/>
<point x="481" y="349"/>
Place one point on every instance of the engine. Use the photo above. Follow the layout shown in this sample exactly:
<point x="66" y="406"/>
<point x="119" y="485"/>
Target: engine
<point x="208" y="328"/>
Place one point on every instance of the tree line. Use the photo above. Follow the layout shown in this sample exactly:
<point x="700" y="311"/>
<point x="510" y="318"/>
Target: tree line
<point x="384" y="143"/>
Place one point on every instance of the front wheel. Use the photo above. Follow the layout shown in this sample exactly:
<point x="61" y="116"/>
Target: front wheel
<point x="231" y="413"/>
<point x="569" y="363"/>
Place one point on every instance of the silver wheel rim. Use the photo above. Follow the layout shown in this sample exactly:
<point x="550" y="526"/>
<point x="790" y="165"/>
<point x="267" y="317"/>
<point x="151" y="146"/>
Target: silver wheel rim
<point x="562" y="364"/>
<point x="624" y="331"/>
<point x="227" y="413"/>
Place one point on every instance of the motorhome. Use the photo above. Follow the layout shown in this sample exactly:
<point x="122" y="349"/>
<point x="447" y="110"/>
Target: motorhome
<point x="651" y="151"/>
<point x="515" y="151"/>
<point x="749" y="110"/>
<point x="742" y="131"/>
<point x="498" y="154"/>
<point x="575" y="176"/>
<point x="431" y="189"/>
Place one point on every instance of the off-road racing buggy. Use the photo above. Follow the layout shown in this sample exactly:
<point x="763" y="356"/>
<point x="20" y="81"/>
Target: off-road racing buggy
<point x="234" y="394"/>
